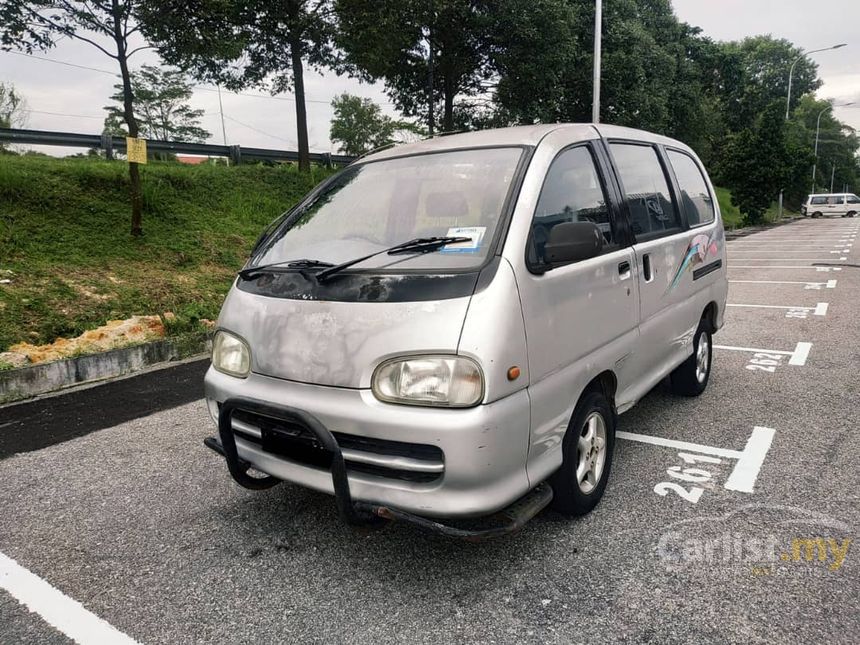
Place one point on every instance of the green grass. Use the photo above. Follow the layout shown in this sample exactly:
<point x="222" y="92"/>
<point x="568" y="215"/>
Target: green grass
<point x="732" y="216"/>
<point x="64" y="234"/>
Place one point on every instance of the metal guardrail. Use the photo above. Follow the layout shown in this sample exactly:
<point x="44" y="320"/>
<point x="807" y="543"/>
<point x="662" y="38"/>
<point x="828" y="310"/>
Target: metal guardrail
<point x="109" y="144"/>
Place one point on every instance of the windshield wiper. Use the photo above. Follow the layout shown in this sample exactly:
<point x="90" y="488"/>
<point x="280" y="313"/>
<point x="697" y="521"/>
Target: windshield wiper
<point x="304" y="263"/>
<point x="418" y="245"/>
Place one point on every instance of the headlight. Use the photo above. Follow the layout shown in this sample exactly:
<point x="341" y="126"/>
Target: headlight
<point x="449" y="381"/>
<point x="230" y="355"/>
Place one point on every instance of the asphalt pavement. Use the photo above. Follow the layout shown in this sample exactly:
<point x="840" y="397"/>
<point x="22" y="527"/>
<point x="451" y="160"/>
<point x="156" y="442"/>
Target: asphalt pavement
<point x="730" y="518"/>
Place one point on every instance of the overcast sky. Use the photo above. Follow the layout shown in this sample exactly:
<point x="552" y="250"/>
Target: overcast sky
<point x="67" y="98"/>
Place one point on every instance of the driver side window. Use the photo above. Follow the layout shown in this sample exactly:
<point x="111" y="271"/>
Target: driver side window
<point x="572" y="192"/>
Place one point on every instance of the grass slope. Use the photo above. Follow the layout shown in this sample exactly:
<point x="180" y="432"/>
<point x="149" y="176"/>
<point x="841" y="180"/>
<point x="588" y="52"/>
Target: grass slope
<point x="64" y="233"/>
<point x="732" y="216"/>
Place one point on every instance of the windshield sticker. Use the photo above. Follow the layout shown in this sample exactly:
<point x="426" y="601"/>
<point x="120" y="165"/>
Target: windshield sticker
<point x="476" y="233"/>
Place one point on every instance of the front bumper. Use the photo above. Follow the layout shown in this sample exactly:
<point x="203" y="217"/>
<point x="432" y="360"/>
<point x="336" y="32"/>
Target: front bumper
<point x="484" y="448"/>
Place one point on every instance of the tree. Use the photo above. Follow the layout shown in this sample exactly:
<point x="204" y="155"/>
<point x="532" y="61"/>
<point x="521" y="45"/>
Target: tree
<point x="255" y="43"/>
<point x="755" y="73"/>
<point x="543" y="56"/>
<point x="40" y="24"/>
<point x="837" y="147"/>
<point x="428" y="52"/>
<point x="360" y="126"/>
<point x="761" y="160"/>
<point x="161" y="99"/>
<point x="532" y="46"/>
<point x="13" y="107"/>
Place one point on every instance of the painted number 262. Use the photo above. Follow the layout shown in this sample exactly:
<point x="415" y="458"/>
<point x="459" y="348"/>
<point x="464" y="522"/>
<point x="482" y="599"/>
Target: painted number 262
<point x="764" y="362"/>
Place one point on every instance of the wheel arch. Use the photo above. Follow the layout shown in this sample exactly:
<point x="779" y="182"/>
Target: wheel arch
<point x="709" y="315"/>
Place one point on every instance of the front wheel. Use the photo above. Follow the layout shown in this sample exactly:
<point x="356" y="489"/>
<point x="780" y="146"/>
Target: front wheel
<point x="587" y="456"/>
<point x="691" y="377"/>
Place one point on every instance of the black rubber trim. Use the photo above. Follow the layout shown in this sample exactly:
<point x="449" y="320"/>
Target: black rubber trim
<point x="701" y="272"/>
<point x="362" y="287"/>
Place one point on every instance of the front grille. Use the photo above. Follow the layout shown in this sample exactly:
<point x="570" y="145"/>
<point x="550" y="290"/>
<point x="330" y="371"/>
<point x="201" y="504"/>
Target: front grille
<point x="379" y="457"/>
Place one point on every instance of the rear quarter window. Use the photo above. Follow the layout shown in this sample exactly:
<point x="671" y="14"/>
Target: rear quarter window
<point x="652" y="209"/>
<point x="817" y="201"/>
<point x="696" y="199"/>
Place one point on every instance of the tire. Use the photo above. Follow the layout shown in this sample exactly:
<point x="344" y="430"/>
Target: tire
<point x="852" y="214"/>
<point x="691" y="377"/>
<point x="594" y="416"/>
<point x="816" y="214"/>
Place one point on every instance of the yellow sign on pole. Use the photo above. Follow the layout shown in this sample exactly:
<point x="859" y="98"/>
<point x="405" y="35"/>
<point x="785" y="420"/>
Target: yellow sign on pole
<point x="135" y="150"/>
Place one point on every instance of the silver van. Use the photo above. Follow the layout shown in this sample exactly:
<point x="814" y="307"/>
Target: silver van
<point x="445" y="332"/>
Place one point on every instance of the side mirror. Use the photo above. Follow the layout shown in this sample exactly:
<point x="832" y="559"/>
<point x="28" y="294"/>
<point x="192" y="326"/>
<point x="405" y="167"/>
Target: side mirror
<point x="573" y="241"/>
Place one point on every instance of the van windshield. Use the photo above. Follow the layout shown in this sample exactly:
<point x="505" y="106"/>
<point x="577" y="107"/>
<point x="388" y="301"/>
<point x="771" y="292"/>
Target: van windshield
<point x="375" y="205"/>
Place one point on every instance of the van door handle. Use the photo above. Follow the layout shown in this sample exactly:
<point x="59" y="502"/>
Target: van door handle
<point x="646" y="267"/>
<point x="624" y="269"/>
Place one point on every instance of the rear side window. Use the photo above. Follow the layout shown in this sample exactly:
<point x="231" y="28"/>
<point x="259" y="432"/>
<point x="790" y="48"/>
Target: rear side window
<point x="572" y="192"/>
<point x="695" y="196"/>
<point x="652" y="211"/>
<point x="818" y="200"/>
<point x="853" y="199"/>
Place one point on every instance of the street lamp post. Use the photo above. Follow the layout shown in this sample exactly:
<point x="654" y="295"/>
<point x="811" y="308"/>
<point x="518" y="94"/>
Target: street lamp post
<point x="788" y="98"/>
<point x="791" y="72"/>
<point x="598" y="27"/>
<point x="817" y="131"/>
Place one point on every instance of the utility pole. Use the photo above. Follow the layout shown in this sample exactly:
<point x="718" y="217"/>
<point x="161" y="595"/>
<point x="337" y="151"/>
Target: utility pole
<point x="431" y="120"/>
<point x="598" y="28"/>
<point x="832" y="174"/>
<point x="223" y="127"/>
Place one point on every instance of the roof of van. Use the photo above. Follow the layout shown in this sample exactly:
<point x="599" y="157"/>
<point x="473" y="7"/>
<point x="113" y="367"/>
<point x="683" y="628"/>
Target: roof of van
<point x="522" y="135"/>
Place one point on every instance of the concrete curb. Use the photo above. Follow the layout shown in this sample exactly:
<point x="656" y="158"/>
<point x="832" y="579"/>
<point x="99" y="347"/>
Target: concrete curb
<point x="733" y="234"/>
<point x="33" y="380"/>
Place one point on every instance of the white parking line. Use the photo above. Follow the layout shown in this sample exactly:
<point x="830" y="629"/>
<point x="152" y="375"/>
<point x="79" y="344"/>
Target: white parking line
<point x="798" y="355"/>
<point x="793" y="247"/>
<point x="819" y="310"/>
<point x="792" y="259"/>
<point x="790" y="266"/>
<point x="750" y="459"/>
<point x="793" y="251"/>
<point x="830" y="284"/>
<point x="57" y="609"/>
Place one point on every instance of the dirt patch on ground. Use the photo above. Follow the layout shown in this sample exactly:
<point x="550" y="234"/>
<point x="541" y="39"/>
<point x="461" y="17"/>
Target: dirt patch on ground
<point x="116" y="333"/>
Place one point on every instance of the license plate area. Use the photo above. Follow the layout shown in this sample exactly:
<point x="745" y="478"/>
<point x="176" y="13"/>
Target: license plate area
<point x="294" y="442"/>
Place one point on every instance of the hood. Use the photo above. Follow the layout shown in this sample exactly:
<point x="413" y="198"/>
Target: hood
<point x="338" y="343"/>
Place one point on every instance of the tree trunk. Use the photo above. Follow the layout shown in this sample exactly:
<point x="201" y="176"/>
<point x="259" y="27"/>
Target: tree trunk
<point x="448" y="116"/>
<point x="130" y="120"/>
<point x="301" y="110"/>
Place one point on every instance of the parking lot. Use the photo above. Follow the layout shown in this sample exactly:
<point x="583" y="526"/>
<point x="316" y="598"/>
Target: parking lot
<point x="728" y="518"/>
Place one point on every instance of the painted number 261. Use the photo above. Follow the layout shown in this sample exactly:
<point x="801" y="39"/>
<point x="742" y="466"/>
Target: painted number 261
<point x="687" y="476"/>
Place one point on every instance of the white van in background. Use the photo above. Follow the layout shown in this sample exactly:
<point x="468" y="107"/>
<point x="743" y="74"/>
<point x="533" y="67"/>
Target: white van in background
<point x="842" y="204"/>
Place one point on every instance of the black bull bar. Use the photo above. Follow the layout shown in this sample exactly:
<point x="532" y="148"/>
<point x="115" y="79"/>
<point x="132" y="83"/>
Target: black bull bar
<point x="360" y="512"/>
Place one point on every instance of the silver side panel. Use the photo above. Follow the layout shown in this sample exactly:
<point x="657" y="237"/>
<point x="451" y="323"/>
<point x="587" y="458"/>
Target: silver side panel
<point x="495" y="335"/>
<point x="580" y="320"/>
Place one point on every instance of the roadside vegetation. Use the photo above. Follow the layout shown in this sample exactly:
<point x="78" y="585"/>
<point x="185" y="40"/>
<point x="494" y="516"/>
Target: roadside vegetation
<point x="71" y="265"/>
